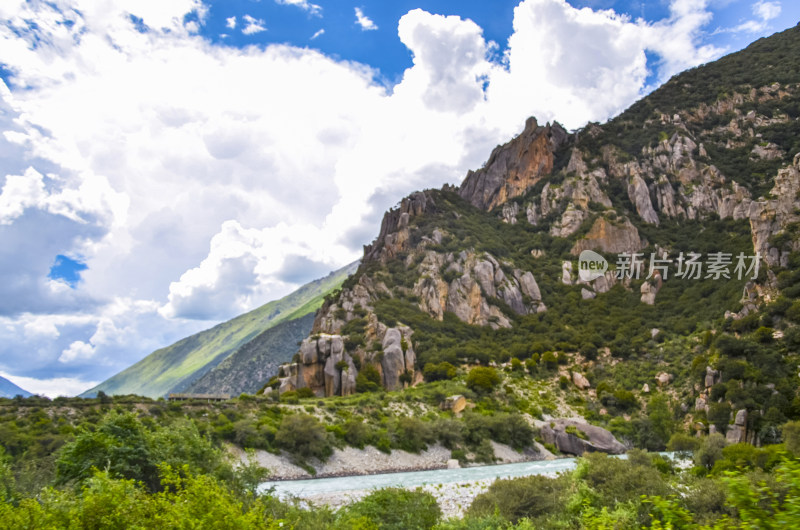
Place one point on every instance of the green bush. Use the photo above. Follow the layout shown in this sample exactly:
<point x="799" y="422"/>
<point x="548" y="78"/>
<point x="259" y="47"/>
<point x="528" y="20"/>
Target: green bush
<point x="439" y="372"/>
<point x="412" y="434"/>
<point x="518" y="498"/>
<point x="791" y="437"/>
<point x="482" y="379"/>
<point x="303" y="437"/>
<point x="397" y="509"/>
<point x="368" y="379"/>
<point x="305" y="393"/>
<point x="710" y="450"/>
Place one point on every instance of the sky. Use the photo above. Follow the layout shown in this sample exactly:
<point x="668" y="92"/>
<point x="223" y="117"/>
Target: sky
<point x="169" y="164"/>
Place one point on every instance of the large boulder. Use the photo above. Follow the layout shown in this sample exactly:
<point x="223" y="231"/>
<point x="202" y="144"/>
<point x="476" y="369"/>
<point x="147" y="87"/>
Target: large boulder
<point x="596" y="439"/>
<point x="398" y="357"/>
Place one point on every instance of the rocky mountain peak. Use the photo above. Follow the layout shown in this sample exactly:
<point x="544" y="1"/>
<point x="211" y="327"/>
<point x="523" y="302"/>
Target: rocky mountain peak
<point x="515" y="167"/>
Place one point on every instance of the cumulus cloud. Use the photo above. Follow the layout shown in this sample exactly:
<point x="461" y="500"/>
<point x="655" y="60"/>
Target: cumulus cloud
<point x="253" y="25"/>
<point x="78" y="350"/>
<point x="230" y="22"/>
<point x="305" y="5"/>
<point x="197" y="187"/>
<point x="449" y="60"/>
<point x="364" y="21"/>
<point x="766" y="10"/>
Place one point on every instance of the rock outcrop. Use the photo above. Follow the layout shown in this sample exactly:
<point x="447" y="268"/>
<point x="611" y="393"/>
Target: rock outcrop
<point x="477" y="279"/>
<point x="324" y="364"/>
<point x="394" y="235"/>
<point x="593" y="439"/>
<point x="514" y="167"/>
<point x="613" y="237"/>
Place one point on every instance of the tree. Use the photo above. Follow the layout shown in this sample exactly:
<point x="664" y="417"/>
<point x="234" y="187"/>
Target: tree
<point x="483" y="379"/>
<point x="660" y="417"/>
<point x="118" y="445"/>
<point x="719" y="415"/>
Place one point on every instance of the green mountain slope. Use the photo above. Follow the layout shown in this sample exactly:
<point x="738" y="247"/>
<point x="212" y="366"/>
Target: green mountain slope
<point x="175" y="367"/>
<point x="9" y="389"/>
<point x="249" y="367"/>
<point x="705" y="168"/>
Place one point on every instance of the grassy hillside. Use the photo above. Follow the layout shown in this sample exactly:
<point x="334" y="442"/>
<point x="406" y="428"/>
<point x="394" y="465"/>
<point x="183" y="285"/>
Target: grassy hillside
<point x="9" y="389"/>
<point x="177" y="366"/>
<point x="249" y="367"/>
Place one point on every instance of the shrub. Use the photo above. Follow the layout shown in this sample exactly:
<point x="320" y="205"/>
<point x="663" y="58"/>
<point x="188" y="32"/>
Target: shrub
<point x="516" y="365"/>
<point x="683" y="444"/>
<point x="305" y="393"/>
<point x="515" y="499"/>
<point x="710" y="450"/>
<point x="303" y="437"/>
<point x="618" y="481"/>
<point x="368" y="379"/>
<point x="412" y="434"/>
<point x="397" y="509"/>
<point x="439" y="372"/>
<point x="357" y="433"/>
<point x="791" y="437"/>
<point x="549" y="360"/>
<point x="483" y="379"/>
<point x="589" y="351"/>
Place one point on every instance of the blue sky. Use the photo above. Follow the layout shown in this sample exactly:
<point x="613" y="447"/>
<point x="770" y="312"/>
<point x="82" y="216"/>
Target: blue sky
<point x="168" y="164"/>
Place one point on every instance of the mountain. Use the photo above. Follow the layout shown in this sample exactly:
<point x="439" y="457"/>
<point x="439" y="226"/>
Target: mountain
<point x="9" y="389"/>
<point x="176" y="367"/>
<point x="249" y="367"/>
<point x="708" y="164"/>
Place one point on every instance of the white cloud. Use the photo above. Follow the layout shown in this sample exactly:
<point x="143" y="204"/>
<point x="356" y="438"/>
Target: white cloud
<point x="253" y="25"/>
<point x="305" y="5"/>
<point x="319" y="33"/>
<point x="230" y="22"/>
<point x="364" y="21"/>
<point x="78" y="350"/>
<point x="195" y="179"/>
<point x="449" y="58"/>
<point x="766" y="10"/>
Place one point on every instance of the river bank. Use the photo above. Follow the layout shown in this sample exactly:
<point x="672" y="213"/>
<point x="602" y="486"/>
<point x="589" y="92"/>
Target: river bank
<point x="354" y="462"/>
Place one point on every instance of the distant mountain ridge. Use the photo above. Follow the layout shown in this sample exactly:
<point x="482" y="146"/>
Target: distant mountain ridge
<point x="10" y="390"/>
<point x="248" y="368"/>
<point x="176" y="367"/>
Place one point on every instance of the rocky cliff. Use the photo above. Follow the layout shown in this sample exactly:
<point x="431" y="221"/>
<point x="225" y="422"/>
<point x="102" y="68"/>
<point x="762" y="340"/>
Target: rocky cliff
<point x="501" y="248"/>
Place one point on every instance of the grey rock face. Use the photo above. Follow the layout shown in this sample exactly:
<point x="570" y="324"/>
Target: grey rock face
<point x="395" y="360"/>
<point x="599" y="439"/>
<point x="640" y="197"/>
<point x="566" y="273"/>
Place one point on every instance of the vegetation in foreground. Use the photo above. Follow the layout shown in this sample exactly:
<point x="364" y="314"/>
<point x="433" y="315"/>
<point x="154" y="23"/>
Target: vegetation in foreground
<point x="134" y="473"/>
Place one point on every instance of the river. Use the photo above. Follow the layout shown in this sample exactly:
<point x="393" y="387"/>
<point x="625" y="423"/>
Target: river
<point x="413" y="479"/>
